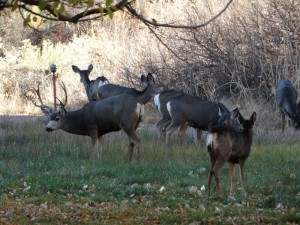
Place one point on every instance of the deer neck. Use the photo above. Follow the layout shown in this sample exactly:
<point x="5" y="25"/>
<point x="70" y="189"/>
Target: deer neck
<point x="86" y="83"/>
<point x="146" y="94"/>
<point x="73" y="123"/>
<point x="249" y="135"/>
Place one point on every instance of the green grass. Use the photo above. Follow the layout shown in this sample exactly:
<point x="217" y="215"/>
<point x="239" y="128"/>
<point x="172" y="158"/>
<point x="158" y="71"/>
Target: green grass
<point x="67" y="186"/>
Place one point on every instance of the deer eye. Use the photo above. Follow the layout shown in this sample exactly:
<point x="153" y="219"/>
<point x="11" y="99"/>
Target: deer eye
<point x="57" y="119"/>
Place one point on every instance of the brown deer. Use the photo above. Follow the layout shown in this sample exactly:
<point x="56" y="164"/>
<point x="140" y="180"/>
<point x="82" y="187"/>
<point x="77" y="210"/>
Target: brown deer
<point x="96" y="118"/>
<point x="226" y="144"/>
<point x="188" y="110"/>
<point x="286" y="100"/>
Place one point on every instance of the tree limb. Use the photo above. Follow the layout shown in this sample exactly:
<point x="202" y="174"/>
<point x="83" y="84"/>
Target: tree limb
<point x="59" y="16"/>
<point x="97" y="11"/>
<point x="154" y="23"/>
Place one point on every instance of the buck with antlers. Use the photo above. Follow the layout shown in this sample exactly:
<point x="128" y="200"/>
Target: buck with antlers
<point x="96" y="118"/>
<point x="188" y="110"/>
<point x="108" y="90"/>
<point x="226" y="144"/>
<point x="286" y="100"/>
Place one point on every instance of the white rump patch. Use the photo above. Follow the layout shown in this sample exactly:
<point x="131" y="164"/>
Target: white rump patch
<point x="220" y="113"/>
<point x="169" y="108"/>
<point x="209" y="139"/>
<point x="157" y="102"/>
<point x="101" y="83"/>
<point x="140" y="109"/>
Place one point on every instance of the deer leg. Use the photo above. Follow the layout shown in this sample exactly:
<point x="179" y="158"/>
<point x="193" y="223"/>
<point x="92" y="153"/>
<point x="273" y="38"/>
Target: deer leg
<point x="94" y="147"/>
<point x="159" y="127"/>
<point x="134" y="143"/>
<point x="197" y="135"/>
<point x="164" y="128"/>
<point x="211" y="174"/>
<point x="242" y="176"/>
<point x="216" y="172"/>
<point x="282" y="121"/>
<point x="100" y="144"/>
<point x="170" y="129"/>
<point x="232" y="179"/>
<point x="182" y="132"/>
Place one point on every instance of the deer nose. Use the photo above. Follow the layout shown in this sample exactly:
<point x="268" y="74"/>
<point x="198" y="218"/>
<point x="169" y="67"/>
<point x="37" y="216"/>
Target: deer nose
<point x="48" y="129"/>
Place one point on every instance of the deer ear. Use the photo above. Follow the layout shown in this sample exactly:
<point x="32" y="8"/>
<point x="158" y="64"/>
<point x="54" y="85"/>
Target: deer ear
<point x="241" y="118"/>
<point x="288" y="114"/>
<point x="235" y="113"/>
<point x="144" y="80"/>
<point x="150" y="78"/>
<point x="62" y="111"/>
<point x="47" y="111"/>
<point x="253" y="117"/>
<point x="75" y="69"/>
<point x="221" y="108"/>
<point x="90" y="68"/>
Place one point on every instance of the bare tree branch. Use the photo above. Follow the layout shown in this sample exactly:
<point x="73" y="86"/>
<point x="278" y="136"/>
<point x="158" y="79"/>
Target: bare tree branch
<point x="64" y="16"/>
<point x="154" y="23"/>
<point x="96" y="10"/>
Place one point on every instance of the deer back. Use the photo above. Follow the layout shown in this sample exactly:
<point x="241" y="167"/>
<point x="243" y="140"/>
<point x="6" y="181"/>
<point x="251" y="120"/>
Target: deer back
<point x="105" y="116"/>
<point x="143" y="96"/>
<point x="161" y="100"/>
<point x="286" y="100"/>
<point x="197" y="112"/>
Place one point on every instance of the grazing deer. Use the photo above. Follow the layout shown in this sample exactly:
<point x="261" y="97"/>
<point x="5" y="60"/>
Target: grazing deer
<point x="286" y="100"/>
<point x="160" y="101"/>
<point x="91" y="86"/>
<point x="96" y="118"/>
<point x="187" y="110"/>
<point x="226" y="144"/>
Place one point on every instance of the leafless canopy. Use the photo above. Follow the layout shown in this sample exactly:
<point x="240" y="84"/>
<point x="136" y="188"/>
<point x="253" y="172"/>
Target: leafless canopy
<point x="77" y="11"/>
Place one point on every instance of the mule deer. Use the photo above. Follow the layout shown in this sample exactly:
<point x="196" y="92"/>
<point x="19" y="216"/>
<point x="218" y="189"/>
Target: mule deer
<point x="143" y="96"/>
<point x="187" y="110"/>
<point x="160" y="101"/>
<point x="104" y="89"/>
<point x="91" y="86"/>
<point x="286" y="100"/>
<point x="96" y="118"/>
<point x="226" y="144"/>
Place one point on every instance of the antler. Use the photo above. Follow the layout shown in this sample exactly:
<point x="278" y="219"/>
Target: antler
<point x="45" y="109"/>
<point x="63" y="86"/>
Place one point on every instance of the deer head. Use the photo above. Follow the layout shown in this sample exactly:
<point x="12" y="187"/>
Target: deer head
<point x="56" y="118"/>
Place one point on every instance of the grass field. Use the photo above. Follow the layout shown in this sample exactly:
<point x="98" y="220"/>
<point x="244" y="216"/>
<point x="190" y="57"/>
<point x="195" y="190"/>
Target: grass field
<point x="49" y="178"/>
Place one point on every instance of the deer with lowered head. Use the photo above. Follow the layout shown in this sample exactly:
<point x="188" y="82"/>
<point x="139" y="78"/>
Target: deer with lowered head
<point x="96" y="118"/>
<point x="286" y="100"/>
<point x="108" y="90"/>
<point x="160" y="101"/>
<point x="188" y="110"/>
<point x="227" y="144"/>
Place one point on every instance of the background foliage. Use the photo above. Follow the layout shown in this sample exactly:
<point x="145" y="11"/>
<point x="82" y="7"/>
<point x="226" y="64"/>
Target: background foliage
<point x="238" y="58"/>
